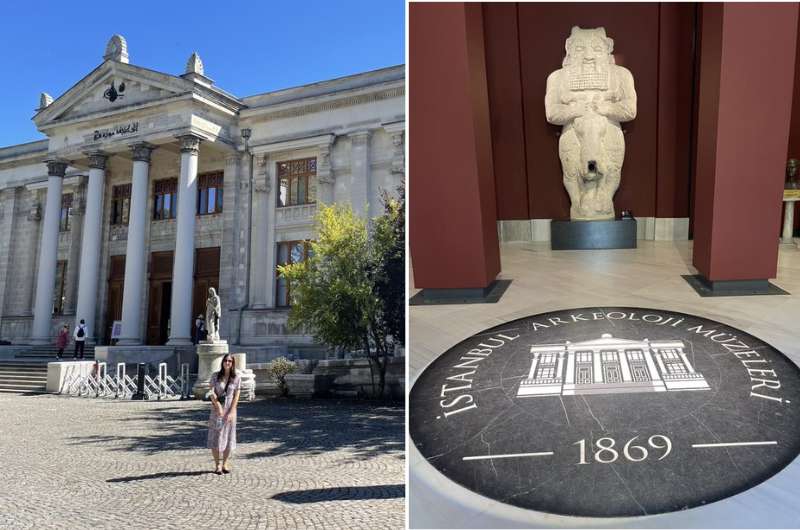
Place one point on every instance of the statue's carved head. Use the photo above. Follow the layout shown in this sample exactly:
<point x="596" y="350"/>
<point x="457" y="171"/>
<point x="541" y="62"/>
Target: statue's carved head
<point x="586" y="46"/>
<point x="211" y="292"/>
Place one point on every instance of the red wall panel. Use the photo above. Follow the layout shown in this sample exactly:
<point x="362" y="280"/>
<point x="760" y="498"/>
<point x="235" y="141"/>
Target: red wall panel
<point x="452" y="209"/>
<point x="742" y="185"/>
<point x="505" y="101"/>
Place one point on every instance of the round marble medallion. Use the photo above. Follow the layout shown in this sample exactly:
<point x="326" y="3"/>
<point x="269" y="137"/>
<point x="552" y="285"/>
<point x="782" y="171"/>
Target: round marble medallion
<point x="608" y="412"/>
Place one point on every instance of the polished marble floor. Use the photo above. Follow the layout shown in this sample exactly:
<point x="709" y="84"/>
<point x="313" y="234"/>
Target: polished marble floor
<point x="647" y="277"/>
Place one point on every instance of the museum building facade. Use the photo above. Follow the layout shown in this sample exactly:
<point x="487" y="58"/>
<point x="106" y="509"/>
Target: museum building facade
<point x="609" y="365"/>
<point x="93" y="224"/>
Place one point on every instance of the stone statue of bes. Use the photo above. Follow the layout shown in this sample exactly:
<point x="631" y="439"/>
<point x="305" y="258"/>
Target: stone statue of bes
<point x="590" y="96"/>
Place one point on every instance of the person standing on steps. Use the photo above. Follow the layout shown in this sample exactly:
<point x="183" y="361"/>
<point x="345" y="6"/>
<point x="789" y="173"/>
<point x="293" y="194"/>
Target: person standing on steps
<point x="61" y="341"/>
<point x="80" y="338"/>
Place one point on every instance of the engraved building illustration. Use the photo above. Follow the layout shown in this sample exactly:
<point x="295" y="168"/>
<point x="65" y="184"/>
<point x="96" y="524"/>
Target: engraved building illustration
<point x="609" y="365"/>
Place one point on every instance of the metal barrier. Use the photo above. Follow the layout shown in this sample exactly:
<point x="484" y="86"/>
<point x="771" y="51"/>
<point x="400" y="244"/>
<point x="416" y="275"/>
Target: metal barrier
<point x="98" y="383"/>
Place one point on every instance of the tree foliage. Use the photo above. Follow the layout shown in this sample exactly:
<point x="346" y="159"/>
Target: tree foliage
<point x="279" y="369"/>
<point x="350" y="291"/>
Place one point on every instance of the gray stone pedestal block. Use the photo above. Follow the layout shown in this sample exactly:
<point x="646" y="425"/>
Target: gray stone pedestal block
<point x="593" y="235"/>
<point x="308" y="385"/>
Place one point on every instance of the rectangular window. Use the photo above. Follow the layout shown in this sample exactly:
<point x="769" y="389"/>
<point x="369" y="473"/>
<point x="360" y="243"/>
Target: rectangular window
<point x="297" y="182"/>
<point x="635" y="355"/>
<point x="66" y="212"/>
<point x="608" y="356"/>
<point x="584" y="356"/>
<point x="676" y="368"/>
<point x="58" y="292"/>
<point x="669" y="353"/>
<point x="546" y="372"/>
<point x="289" y="252"/>
<point x="209" y="193"/>
<point x="165" y="199"/>
<point x="120" y="204"/>
<point x="547" y="358"/>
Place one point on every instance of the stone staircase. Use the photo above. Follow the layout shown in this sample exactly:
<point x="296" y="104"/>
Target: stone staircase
<point x="27" y="371"/>
<point x="23" y="376"/>
<point x="48" y="352"/>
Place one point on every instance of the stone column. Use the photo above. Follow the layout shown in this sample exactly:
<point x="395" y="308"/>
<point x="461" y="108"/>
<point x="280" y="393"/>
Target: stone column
<point x="788" y="222"/>
<point x="399" y="154"/>
<point x="8" y="206"/>
<point x="326" y="190"/>
<point x="570" y="377"/>
<point x="229" y="253"/>
<point x="535" y="361"/>
<point x="259" y="264"/>
<point x="90" y="247"/>
<point x="560" y="369"/>
<point x="686" y="362"/>
<point x="183" y="267"/>
<point x="48" y="254"/>
<point x="597" y="368"/>
<point x="38" y="199"/>
<point x="271" y="190"/>
<point x="624" y="366"/>
<point x="656" y="372"/>
<point x="359" y="173"/>
<point x="136" y="257"/>
<point x="245" y="205"/>
<point x="74" y="260"/>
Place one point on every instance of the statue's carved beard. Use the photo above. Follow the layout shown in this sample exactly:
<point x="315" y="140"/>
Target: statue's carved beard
<point x="588" y="76"/>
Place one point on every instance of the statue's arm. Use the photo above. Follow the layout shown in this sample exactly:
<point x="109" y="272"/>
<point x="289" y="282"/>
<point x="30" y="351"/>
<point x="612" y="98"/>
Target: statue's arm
<point x="624" y="108"/>
<point x="558" y="113"/>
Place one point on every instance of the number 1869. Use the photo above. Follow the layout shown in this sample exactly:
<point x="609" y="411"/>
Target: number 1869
<point x="606" y="454"/>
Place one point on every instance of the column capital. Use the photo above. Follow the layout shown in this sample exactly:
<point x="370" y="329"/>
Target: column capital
<point x="56" y="167"/>
<point x="142" y="151"/>
<point x="190" y="143"/>
<point x="97" y="159"/>
<point x="360" y="136"/>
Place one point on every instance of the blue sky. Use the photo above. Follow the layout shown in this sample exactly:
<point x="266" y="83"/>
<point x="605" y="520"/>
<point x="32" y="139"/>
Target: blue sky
<point x="247" y="47"/>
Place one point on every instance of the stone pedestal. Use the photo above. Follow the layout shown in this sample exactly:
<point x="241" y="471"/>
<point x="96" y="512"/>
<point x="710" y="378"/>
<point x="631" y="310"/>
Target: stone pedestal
<point x="788" y="220"/>
<point x="209" y="357"/>
<point x="593" y="235"/>
<point x="209" y="360"/>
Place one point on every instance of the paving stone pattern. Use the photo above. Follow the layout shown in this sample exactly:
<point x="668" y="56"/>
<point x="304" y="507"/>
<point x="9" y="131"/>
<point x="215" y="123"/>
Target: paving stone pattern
<point x="77" y="463"/>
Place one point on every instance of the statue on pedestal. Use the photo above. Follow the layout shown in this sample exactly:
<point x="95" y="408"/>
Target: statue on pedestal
<point x="590" y="96"/>
<point x="213" y="312"/>
<point x="791" y="174"/>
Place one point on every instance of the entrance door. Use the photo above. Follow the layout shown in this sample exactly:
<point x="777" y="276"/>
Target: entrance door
<point x="640" y="372"/>
<point x="116" y="282"/>
<point x="206" y="274"/>
<point x="584" y="374"/>
<point x="160" y="298"/>
<point x="611" y="373"/>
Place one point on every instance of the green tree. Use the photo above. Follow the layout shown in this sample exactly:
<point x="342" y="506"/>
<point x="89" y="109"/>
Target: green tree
<point x="388" y="258"/>
<point x="333" y="292"/>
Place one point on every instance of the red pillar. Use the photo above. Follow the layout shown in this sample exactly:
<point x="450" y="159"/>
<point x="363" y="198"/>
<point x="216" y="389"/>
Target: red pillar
<point x="453" y="218"/>
<point x="745" y="102"/>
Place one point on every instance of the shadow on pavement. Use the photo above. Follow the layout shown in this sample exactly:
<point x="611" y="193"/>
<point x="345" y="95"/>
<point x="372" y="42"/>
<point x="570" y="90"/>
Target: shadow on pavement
<point x="351" y="493"/>
<point x="278" y="426"/>
<point x="164" y="474"/>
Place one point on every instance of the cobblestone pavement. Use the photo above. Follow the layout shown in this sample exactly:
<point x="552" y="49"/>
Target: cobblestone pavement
<point x="76" y="463"/>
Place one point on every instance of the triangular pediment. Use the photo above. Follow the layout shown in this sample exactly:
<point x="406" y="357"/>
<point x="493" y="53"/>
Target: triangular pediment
<point x="605" y="340"/>
<point x="132" y="86"/>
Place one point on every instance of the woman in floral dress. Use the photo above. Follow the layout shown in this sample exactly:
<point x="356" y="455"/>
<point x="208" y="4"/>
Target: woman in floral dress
<point x="224" y="396"/>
